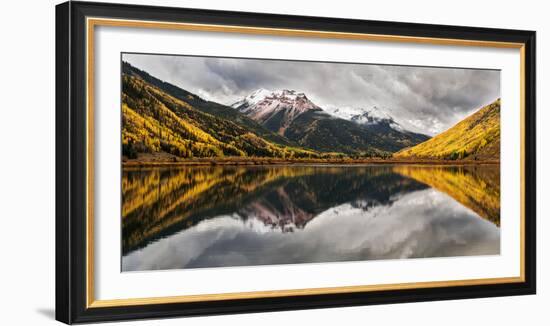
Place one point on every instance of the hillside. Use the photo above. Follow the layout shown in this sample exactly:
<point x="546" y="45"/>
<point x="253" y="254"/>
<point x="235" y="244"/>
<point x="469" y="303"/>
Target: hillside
<point x="477" y="137"/>
<point x="199" y="103"/>
<point x="156" y="122"/>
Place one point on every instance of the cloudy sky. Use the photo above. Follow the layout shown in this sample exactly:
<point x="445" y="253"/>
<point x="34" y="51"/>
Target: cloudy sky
<point x="428" y="100"/>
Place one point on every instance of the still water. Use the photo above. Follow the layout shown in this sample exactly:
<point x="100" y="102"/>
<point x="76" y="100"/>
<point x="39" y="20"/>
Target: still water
<point x="189" y="217"/>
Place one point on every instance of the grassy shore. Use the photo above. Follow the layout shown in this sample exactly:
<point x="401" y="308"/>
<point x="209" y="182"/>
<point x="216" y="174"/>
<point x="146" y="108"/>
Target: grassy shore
<point x="151" y="160"/>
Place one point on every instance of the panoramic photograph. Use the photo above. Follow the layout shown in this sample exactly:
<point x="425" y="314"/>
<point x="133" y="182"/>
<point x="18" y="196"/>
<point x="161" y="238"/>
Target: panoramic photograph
<point x="245" y="162"/>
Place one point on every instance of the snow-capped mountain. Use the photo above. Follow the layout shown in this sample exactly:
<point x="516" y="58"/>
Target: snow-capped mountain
<point x="366" y="116"/>
<point x="292" y="115"/>
<point x="275" y="109"/>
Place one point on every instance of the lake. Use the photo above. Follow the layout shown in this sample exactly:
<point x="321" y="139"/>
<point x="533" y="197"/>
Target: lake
<point x="214" y="216"/>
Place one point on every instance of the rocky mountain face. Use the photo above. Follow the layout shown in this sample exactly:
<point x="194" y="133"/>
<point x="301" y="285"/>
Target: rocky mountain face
<point x="275" y="110"/>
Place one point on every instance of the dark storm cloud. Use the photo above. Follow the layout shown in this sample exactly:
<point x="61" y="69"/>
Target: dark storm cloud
<point x="421" y="98"/>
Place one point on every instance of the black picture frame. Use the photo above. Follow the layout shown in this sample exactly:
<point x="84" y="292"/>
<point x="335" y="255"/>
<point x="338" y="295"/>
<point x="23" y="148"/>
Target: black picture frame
<point x="71" y="157"/>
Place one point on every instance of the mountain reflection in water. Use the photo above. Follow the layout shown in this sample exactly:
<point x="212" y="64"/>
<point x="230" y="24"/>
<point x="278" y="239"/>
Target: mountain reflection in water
<point x="187" y="217"/>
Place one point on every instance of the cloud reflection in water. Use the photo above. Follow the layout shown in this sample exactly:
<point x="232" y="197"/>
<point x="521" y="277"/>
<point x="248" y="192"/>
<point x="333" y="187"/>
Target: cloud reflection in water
<point x="419" y="223"/>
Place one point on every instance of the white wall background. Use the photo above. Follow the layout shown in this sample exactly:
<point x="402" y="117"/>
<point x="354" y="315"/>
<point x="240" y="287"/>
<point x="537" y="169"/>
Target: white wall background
<point x="27" y="161"/>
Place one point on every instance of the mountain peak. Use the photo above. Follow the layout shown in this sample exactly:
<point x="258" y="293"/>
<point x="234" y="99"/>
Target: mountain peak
<point x="289" y="92"/>
<point x="365" y="116"/>
<point x="253" y="98"/>
<point x="377" y="113"/>
<point x="275" y="108"/>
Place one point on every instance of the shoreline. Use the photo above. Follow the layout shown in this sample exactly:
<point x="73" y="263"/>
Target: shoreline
<point x="275" y="161"/>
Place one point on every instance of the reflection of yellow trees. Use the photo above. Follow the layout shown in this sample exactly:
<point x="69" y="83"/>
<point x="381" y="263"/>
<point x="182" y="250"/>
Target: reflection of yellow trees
<point x="476" y="187"/>
<point x="155" y="199"/>
<point x="160" y="201"/>
<point x="144" y="188"/>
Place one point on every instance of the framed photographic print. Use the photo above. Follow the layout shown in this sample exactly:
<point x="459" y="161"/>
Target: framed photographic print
<point x="214" y="162"/>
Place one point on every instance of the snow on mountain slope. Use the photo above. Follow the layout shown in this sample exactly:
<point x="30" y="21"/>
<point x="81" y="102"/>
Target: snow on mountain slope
<point x="365" y="116"/>
<point x="275" y="109"/>
<point x="253" y="98"/>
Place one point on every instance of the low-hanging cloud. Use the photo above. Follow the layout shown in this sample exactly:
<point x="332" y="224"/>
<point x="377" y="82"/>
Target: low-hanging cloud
<point x="426" y="99"/>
